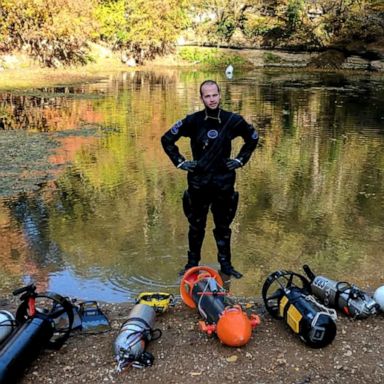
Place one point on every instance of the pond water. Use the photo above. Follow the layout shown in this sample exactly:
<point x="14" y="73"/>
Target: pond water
<point x="99" y="216"/>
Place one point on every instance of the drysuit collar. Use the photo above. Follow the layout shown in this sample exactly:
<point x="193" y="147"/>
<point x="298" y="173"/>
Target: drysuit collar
<point x="212" y="114"/>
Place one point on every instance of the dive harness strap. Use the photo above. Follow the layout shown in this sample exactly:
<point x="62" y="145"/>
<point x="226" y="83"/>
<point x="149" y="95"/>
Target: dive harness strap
<point x="215" y="151"/>
<point x="148" y="333"/>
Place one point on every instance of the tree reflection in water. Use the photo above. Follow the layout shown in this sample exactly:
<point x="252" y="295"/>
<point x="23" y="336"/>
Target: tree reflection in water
<point x="313" y="192"/>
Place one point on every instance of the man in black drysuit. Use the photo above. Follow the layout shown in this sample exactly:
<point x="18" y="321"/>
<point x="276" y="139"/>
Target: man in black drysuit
<point x="211" y="173"/>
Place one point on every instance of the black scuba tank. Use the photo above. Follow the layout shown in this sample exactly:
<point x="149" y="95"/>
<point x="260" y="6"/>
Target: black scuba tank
<point x="23" y="346"/>
<point x="210" y="303"/>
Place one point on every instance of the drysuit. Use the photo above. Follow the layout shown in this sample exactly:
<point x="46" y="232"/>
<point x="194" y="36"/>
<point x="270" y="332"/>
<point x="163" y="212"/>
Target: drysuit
<point x="210" y="183"/>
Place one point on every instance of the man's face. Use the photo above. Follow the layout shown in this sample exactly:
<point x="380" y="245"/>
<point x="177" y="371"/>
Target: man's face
<point x="210" y="96"/>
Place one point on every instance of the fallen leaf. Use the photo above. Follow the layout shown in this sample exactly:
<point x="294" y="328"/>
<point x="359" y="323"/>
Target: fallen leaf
<point x="232" y="359"/>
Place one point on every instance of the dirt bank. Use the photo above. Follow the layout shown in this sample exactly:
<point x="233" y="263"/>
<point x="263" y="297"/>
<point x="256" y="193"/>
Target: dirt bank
<point x="23" y="73"/>
<point x="185" y="355"/>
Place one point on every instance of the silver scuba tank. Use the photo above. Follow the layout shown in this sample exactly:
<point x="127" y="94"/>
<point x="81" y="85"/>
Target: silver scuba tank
<point x="7" y="324"/>
<point x="341" y="295"/>
<point x="134" y="334"/>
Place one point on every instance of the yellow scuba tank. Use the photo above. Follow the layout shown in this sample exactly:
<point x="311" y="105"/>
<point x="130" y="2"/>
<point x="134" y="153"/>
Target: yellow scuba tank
<point x="287" y="296"/>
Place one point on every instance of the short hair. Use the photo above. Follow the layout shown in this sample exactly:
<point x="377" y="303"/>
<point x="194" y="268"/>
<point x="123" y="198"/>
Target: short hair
<point x="208" y="82"/>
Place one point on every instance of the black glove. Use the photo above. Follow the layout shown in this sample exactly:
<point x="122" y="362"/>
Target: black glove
<point x="233" y="164"/>
<point x="188" y="165"/>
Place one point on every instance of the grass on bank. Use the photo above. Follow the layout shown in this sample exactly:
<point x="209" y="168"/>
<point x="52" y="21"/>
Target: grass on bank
<point x="210" y="57"/>
<point x="34" y="76"/>
<point x="31" y="76"/>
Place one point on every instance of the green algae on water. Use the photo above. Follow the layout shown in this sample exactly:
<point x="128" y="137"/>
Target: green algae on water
<point x="24" y="160"/>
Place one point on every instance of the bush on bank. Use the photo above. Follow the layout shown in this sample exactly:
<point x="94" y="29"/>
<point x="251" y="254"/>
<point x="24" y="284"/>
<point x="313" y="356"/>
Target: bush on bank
<point x="58" y="32"/>
<point x="210" y="56"/>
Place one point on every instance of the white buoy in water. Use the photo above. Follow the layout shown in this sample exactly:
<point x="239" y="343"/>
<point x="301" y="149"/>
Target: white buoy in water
<point x="378" y="296"/>
<point x="229" y="71"/>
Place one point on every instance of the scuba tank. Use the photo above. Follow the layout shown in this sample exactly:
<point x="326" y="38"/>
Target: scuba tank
<point x="7" y="324"/>
<point x="342" y="295"/>
<point x="23" y="347"/>
<point x="133" y="337"/>
<point x="201" y="287"/>
<point x="287" y="296"/>
<point x="378" y="296"/>
<point x="36" y="329"/>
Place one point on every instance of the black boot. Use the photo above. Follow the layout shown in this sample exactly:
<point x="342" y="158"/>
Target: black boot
<point x="230" y="271"/>
<point x="193" y="261"/>
<point x="223" y="243"/>
<point x="195" y="240"/>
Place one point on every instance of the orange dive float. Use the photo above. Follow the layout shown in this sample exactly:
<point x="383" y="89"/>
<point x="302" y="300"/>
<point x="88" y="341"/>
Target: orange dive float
<point x="202" y="288"/>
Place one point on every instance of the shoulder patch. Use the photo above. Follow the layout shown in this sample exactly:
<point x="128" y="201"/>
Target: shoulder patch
<point x="255" y="135"/>
<point x="176" y="126"/>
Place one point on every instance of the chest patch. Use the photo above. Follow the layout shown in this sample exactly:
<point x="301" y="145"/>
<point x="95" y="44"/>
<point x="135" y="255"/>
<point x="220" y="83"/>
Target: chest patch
<point x="212" y="134"/>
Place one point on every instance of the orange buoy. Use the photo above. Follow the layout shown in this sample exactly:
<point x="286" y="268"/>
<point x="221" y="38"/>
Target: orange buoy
<point x="234" y="328"/>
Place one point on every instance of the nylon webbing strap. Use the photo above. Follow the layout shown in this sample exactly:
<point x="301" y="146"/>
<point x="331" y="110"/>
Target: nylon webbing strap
<point x="215" y="150"/>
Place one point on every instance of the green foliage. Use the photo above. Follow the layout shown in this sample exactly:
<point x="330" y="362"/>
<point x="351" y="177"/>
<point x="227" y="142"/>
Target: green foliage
<point x="287" y="23"/>
<point x="218" y="19"/>
<point x="113" y="23"/>
<point x="361" y="24"/>
<point x="225" y="28"/>
<point x="377" y="5"/>
<point x="294" y="13"/>
<point x="209" y="56"/>
<point x="57" y="32"/>
<point x="349" y="21"/>
<point x="256" y="25"/>
<point x="145" y="28"/>
<point x="54" y="32"/>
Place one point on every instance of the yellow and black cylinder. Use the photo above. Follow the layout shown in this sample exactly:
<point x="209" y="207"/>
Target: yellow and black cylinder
<point x="304" y="317"/>
<point x="291" y="301"/>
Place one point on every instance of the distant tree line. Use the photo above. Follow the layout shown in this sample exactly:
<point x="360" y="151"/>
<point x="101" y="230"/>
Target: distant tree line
<point x="58" y="32"/>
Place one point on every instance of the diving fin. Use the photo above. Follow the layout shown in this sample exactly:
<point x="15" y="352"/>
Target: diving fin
<point x="92" y="318"/>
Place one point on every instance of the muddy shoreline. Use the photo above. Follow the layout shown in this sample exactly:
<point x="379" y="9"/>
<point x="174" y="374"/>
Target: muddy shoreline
<point x="186" y="355"/>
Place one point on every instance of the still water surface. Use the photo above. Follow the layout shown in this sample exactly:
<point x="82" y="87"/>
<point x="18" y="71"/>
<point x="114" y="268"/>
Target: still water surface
<point x="108" y="223"/>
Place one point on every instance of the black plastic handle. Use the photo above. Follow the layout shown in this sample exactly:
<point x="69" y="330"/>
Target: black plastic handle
<point x="28" y="288"/>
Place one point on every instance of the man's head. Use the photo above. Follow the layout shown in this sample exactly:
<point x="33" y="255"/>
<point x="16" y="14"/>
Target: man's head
<point x="210" y="94"/>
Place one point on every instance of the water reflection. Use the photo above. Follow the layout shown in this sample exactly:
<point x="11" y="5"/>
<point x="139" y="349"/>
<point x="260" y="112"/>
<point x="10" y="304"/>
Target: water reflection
<point x="111" y="223"/>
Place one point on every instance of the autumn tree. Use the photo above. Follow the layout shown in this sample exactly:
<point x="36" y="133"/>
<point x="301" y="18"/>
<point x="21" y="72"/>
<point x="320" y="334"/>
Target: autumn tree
<point x="53" y="32"/>
<point x="145" y="28"/>
<point x="217" y="20"/>
<point x="288" y="23"/>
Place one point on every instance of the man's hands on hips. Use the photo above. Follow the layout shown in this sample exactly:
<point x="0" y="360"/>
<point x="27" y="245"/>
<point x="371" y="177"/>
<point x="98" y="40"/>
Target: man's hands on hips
<point x="188" y="165"/>
<point x="233" y="164"/>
